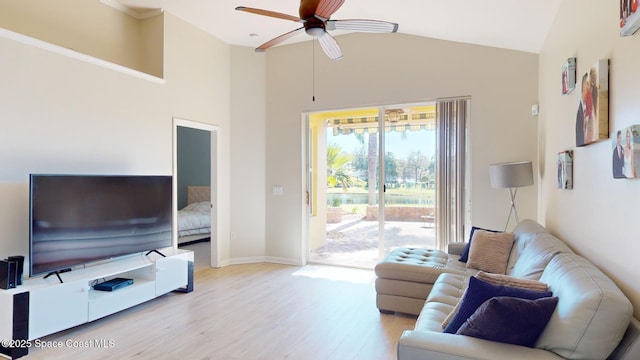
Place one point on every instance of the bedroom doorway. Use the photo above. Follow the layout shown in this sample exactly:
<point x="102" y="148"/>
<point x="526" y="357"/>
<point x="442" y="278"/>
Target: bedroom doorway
<point x="195" y="180"/>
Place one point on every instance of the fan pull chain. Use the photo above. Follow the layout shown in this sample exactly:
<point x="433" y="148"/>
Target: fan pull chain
<point x="313" y="71"/>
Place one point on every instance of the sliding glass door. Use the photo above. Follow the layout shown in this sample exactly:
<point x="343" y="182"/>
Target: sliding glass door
<point x="358" y="209"/>
<point x="409" y="177"/>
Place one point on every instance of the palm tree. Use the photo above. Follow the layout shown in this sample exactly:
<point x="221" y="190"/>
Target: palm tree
<point x="366" y="159"/>
<point x="336" y="167"/>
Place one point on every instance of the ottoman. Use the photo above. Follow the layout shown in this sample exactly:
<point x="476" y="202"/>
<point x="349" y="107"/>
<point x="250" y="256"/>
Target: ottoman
<point x="405" y="277"/>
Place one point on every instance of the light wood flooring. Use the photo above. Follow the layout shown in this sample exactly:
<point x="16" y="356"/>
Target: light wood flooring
<point x="255" y="311"/>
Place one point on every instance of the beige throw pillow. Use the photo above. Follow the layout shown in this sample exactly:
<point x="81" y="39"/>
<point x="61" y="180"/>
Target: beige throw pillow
<point x="506" y="280"/>
<point x="490" y="251"/>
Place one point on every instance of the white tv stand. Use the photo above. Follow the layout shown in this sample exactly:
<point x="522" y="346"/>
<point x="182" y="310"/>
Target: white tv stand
<point x="48" y="306"/>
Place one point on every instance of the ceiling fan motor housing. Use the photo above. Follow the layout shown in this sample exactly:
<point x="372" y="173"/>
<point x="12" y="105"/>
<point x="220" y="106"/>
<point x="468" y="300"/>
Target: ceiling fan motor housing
<point x="314" y="27"/>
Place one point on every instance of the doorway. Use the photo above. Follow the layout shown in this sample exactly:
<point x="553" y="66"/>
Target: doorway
<point x="359" y="211"/>
<point x="195" y="188"/>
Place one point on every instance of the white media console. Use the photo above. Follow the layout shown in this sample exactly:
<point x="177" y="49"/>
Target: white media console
<point x="41" y="306"/>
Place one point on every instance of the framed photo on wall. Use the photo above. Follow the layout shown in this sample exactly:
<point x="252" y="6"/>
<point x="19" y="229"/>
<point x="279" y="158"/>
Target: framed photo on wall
<point x="568" y="76"/>
<point x="626" y="152"/>
<point x="564" y="166"/>
<point x="592" y="119"/>
<point x="629" y="17"/>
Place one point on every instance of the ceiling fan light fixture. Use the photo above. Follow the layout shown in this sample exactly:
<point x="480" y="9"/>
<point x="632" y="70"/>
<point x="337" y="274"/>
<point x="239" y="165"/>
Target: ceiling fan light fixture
<point x="315" y="31"/>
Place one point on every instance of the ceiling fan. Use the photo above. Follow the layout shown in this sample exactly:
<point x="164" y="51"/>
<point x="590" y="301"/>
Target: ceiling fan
<point x="314" y="15"/>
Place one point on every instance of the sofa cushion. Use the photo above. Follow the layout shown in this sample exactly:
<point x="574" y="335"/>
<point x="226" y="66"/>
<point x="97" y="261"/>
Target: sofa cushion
<point x="478" y="292"/>
<point x="464" y="257"/>
<point x="510" y="320"/>
<point x="417" y="265"/>
<point x="506" y="280"/>
<point x="490" y="251"/>
<point x="592" y="313"/>
<point x="446" y="293"/>
<point x="453" y="312"/>
<point x="532" y="250"/>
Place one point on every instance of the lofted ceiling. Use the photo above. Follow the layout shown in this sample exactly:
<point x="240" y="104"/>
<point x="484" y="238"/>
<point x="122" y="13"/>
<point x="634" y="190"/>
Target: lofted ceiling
<point x="512" y="24"/>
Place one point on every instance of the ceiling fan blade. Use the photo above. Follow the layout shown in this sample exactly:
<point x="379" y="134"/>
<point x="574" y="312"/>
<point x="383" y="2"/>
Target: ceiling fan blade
<point x="326" y="8"/>
<point x="330" y="46"/>
<point x="376" y="26"/>
<point x="278" y="40"/>
<point x="268" y="13"/>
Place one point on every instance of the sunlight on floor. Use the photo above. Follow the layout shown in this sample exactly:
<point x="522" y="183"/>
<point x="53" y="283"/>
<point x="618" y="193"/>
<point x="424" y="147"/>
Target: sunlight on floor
<point x="335" y="273"/>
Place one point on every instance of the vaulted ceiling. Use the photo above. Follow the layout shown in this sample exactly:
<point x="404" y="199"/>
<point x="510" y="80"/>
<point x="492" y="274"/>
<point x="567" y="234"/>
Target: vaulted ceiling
<point x="512" y="24"/>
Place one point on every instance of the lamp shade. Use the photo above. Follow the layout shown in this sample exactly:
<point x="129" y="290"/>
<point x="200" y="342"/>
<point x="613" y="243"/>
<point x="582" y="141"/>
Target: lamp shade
<point x="510" y="175"/>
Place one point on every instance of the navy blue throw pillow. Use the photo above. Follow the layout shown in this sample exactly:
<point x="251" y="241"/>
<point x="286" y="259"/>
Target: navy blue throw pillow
<point x="480" y="291"/>
<point x="464" y="257"/>
<point x="510" y="320"/>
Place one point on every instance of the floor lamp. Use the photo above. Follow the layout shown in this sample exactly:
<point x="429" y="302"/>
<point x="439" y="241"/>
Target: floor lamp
<point x="512" y="176"/>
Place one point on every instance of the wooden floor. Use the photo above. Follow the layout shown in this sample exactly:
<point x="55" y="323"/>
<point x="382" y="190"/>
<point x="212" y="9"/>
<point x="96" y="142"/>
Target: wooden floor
<point x="255" y="311"/>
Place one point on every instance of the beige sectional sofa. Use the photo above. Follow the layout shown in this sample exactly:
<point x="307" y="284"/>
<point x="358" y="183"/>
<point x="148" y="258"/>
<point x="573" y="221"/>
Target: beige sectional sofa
<point x="592" y="319"/>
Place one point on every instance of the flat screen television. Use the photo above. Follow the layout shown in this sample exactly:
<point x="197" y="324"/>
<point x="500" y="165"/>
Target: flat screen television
<point x="78" y="219"/>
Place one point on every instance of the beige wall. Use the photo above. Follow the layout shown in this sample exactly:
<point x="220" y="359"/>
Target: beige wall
<point x="248" y="74"/>
<point x="390" y="69"/>
<point x="599" y="217"/>
<point x="152" y="46"/>
<point x="62" y="115"/>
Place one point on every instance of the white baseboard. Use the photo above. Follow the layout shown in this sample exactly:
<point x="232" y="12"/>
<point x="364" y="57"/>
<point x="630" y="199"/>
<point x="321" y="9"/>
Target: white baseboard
<point x="246" y="260"/>
<point x="285" y="261"/>
<point x="262" y="259"/>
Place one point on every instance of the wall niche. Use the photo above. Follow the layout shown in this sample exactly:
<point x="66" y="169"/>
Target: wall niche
<point x="103" y="29"/>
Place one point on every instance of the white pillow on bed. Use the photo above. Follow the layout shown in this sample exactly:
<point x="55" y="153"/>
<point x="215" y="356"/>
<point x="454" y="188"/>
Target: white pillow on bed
<point x="201" y="207"/>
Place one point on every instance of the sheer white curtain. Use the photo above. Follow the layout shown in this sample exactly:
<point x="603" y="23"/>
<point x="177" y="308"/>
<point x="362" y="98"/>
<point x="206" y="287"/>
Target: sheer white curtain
<point x="451" y="125"/>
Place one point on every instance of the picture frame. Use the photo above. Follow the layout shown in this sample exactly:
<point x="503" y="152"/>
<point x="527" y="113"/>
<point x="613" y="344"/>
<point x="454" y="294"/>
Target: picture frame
<point x="625" y="163"/>
<point x="592" y="118"/>
<point x="564" y="167"/>
<point x="629" y="17"/>
<point x="568" y="76"/>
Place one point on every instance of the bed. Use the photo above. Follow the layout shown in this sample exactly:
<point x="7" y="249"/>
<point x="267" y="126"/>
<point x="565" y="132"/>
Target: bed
<point x="194" y="220"/>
